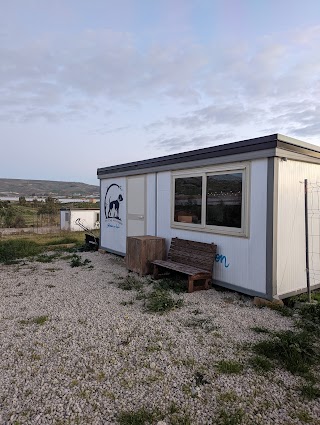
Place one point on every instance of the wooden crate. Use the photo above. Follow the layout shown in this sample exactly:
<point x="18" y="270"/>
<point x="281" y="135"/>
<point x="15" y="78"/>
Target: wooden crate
<point x="141" y="250"/>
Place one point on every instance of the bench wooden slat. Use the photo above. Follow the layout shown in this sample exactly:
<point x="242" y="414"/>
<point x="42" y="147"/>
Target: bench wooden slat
<point x="194" y="259"/>
<point x="178" y="267"/>
<point x="200" y="246"/>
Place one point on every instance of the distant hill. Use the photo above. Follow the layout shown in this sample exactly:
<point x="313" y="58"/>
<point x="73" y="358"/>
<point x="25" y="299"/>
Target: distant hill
<point x="19" y="187"/>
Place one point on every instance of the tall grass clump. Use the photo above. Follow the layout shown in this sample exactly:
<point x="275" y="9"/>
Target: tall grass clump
<point x="11" y="250"/>
<point x="310" y="318"/>
<point x="294" y="350"/>
<point x="161" y="301"/>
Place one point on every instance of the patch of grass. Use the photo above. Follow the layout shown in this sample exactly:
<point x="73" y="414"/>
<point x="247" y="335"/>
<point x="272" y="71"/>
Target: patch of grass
<point x="281" y="309"/>
<point x="304" y="416"/>
<point x="205" y="324"/>
<point x="176" y="285"/>
<point x="126" y="302"/>
<point x="182" y="419"/>
<point x="129" y="283"/>
<point x="229" y="367"/>
<point x="230" y="417"/>
<point x="294" y="350"/>
<point x="46" y="258"/>
<point x="40" y="320"/>
<point x="261" y="363"/>
<point x="303" y="298"/>
<point x="228" y="397"/>
<point x="76" y="261"/>
<point x="139" y="417"/>
<point x="35" y="357"/>
<point x="161" y="301"/>
<point x="11" y="250"/>
<point x="65" y="240"/>
<point x="310" y="318"/>
<point x="310" y="392"/>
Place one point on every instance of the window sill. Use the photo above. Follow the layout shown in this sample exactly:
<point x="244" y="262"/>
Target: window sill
<point x="240" y="233"/>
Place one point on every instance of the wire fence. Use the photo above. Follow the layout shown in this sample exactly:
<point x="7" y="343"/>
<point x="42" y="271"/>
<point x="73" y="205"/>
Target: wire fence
<point x="312" y="190"/>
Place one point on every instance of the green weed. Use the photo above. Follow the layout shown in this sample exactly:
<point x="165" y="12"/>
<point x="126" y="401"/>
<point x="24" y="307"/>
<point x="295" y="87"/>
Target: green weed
<point x="310" y="392"/>
<point x="228" y="396"/>
<point x="294" y="350"/>
<point x="229" y="367"/>
<point x="129" y="283"/>
<point x="138" y="417"/>
<point x="76" y="261"/>
<point x="261" y="363"/>
<point x="230" y="417"/>
<point x="206" y="324"/>
<point x="281" y="309"/>
<point x="46" y="258"/>
<point x="303" y="298"/>
<point x="310" y="318"/>
<point x="11" y="250"/>
<point x="40" y="320"/>
<point x="175" y="285"/>
<point x="161" y="301"/>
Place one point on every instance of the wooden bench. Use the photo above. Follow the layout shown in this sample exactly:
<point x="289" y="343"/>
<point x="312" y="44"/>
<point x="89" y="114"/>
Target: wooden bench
<point x="194" y="259"/>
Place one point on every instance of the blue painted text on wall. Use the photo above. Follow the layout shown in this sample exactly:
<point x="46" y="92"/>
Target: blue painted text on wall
<point x="219" y="258"/>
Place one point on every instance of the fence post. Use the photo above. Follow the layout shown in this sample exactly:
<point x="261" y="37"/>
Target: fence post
<point x="307" y="236"/>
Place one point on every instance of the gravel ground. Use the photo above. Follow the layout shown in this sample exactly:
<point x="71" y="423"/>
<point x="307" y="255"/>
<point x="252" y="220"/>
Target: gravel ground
<point x="77" y="349"/>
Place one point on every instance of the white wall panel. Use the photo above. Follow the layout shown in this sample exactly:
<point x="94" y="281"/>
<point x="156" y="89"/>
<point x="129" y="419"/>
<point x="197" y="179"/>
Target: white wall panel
<point x="291" y="265"/>
<point x="151" y="204"/>
<point x="243" y="261"/>
<point x="113" y="223"/>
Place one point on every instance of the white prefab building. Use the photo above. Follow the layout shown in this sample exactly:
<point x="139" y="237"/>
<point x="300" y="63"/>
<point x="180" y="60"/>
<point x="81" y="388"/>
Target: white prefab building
<point x="69" y="219"/>
<point x="246" y="197"/>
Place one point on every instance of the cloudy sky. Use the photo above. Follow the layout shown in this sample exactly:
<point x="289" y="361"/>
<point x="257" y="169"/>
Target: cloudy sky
<point x="91" y="83"/>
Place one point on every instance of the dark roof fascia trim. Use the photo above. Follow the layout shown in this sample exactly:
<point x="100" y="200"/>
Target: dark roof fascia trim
<point x="273" y="141"/>
<point x="195" y="164"/>
<point x="261" y="143"/>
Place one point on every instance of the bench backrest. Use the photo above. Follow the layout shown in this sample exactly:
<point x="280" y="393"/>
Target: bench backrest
<point x="190" y="253"/>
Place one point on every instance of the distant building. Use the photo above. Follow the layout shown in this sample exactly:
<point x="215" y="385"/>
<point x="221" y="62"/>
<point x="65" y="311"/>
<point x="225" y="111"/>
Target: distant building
<point x="72" y="219"/>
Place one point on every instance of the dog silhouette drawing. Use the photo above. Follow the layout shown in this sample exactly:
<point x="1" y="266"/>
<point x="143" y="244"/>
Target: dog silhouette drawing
<point x="113" y="211"/>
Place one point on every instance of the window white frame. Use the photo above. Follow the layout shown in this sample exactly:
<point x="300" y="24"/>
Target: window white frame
<point x="244" y="169"/>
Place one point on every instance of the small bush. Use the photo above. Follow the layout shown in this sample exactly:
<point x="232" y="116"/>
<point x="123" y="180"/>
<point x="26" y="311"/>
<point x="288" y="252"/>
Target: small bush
<point x="129" y="283"/>
<point x="310" y="392"/>
<point x="303" y="298"/>
<point x="43" y="258"/>
<point x="40" y="320"/>
<point x="64" y="241"/>
<point x="230" y="418"/>
<point x="175" y="285"/>
<point x="261" y="363"/>
<point x="294" y="350"/>
<point x="229" y="367"/>
<point x="138" y="417"/>
<point x="310" y="318"/>
<point x="160" y="301"/>
<point x="281" y="309"/>
<point x="76" y="261"/>
<point x="11" y="250"/>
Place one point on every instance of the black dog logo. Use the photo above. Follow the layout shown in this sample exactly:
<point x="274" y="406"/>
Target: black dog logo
<point x="113" y="211"/>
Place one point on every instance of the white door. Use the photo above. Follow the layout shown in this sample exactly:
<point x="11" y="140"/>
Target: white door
<point x="136" y="193"/>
